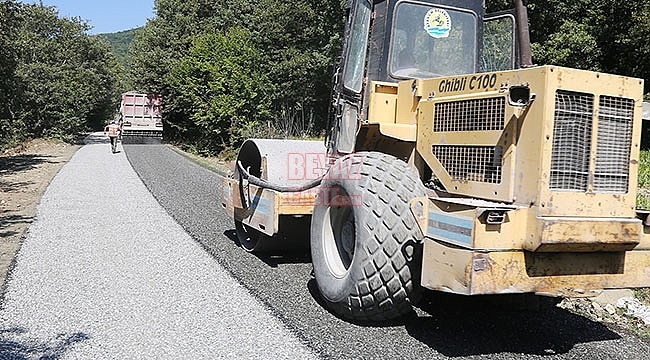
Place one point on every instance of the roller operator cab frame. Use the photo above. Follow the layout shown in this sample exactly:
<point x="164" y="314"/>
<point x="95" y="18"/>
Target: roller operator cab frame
<point x="453" y="164"/>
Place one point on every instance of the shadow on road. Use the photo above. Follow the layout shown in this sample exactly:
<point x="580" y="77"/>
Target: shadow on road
<point x="292" y="246"/>
<point x="462" y="326"/>
<point x="12" y="348"/>
<point x="141" y="140"/>
<point x="9" y="220"/>
<point x="273" y="259"/>
<point x="17" y="163"/>
<point x="456" y="325"/>
<point x="14" y="187"/>
<point x="459" y="326"/>
<point x="96" y="138"/>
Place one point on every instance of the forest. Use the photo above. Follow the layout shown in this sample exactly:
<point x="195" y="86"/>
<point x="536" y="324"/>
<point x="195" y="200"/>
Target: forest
<point x="55" y="80"/>
<point x="229" y="70"/>
<point x="120" y="42"/>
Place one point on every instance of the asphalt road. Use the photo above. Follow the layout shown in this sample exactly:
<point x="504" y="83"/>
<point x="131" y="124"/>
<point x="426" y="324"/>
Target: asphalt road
<point x="442" y="327"/>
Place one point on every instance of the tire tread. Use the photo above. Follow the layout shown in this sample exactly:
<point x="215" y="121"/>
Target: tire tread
<point x="387" y="290"/>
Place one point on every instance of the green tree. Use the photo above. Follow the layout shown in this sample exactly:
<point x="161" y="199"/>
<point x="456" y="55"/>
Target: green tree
<point x="66" y="78"/>
<point x="574" y="45"/>
<point x="120" y="43"/>
<point x="498" y="5"/>
<point x="9" y="23"/>
<point x="301" y="41"/>
<point x="638" y="53"/>
<point x="164" y="40"/>
<point x="218" y="92"/>
<point x="296" y="42"/>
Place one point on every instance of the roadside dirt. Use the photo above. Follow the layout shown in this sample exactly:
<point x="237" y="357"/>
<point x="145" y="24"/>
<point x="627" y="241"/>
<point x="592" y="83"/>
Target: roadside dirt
<point x="25" y="172"/>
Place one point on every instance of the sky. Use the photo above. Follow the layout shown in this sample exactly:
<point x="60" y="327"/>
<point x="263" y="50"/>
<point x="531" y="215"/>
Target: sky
<point x="105" y="16"/>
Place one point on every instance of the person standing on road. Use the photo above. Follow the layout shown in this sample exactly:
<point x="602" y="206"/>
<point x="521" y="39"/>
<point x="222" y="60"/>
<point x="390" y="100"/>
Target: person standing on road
<point x="113" y="130"/>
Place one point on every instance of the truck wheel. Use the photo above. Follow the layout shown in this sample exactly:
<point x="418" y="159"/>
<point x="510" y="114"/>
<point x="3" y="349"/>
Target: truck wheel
<point x="364" y="239"/>
<point x="250" y="239"/>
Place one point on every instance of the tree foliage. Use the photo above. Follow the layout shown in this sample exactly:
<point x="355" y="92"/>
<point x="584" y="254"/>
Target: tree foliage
<point x="218" y="91"/>
<point x="9" y="23"/>
<point x="120" y="42"/>
<point x="296" y="44"/>
<point x="283" y="89"/>
<point x="57" y="79"/>
<point x="232" y="69"/>
<point x="600" y="35"/>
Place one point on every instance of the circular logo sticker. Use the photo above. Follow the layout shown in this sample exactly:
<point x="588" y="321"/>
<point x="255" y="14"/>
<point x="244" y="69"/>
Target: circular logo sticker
<point x="437" y="23"/>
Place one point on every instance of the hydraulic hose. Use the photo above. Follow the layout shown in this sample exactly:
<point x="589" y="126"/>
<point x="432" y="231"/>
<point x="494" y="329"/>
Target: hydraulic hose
<point x="281" y="188"/>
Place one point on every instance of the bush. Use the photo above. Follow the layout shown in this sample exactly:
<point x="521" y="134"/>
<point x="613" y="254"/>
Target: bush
<point x="218" y="93"/>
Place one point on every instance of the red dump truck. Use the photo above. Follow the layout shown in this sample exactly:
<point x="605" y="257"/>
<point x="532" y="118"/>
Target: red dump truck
<point x="141" y="115"/>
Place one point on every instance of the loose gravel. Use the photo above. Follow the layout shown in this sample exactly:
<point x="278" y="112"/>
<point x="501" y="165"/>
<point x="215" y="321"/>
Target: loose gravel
<point x="104" y="272"/>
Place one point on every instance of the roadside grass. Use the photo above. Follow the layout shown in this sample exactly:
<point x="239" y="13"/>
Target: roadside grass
<point x="220" y="166"/>
<point x="643" y="202"/>
<point x="635" y="325"/>
<point x="643" y="195"/>
<point x="643" y="295"/>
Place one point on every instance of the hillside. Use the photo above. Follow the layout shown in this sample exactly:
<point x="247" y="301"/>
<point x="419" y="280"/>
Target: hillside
<point x="120" y="42"/>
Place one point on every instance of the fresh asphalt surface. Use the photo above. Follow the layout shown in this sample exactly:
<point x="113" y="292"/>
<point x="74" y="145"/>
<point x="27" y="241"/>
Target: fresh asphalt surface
<point x="281" y="286"/>
<point x="445" y="326"/>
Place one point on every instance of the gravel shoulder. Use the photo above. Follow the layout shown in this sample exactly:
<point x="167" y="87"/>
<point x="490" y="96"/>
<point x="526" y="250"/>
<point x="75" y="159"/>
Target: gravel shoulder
<point x="105" y="272"/>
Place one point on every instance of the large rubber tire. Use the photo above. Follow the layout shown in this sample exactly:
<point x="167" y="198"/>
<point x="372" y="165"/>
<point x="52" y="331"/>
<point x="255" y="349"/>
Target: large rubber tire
<point x="365" y="240"/>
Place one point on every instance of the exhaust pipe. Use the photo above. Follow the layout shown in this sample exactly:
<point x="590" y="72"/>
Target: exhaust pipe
<point x="523" y="34"/>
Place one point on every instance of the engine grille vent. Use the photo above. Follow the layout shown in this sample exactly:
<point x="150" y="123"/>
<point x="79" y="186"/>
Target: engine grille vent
<point x="470" y="115"/>
<point x="571" y="141"/>
<point x="614" y="142"/>
<point x="471" y="163"/>
<point x="572" y="145"/>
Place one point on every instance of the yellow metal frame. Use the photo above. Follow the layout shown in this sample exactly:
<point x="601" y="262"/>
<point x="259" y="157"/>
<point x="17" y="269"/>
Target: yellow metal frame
<point x="261" y="208"/>
<point x="394" y="114"/>
<point x="543" y="241"/>
<point x="492" y="259"/>
<point x="506" y="139"/>
<point x="551" y="242"/>
<point x="527" y="138"/>
<point x="469" y="272"/>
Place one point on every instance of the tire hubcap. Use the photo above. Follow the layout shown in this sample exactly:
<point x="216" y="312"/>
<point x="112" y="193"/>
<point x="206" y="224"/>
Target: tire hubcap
<point x="339" y="238"/>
